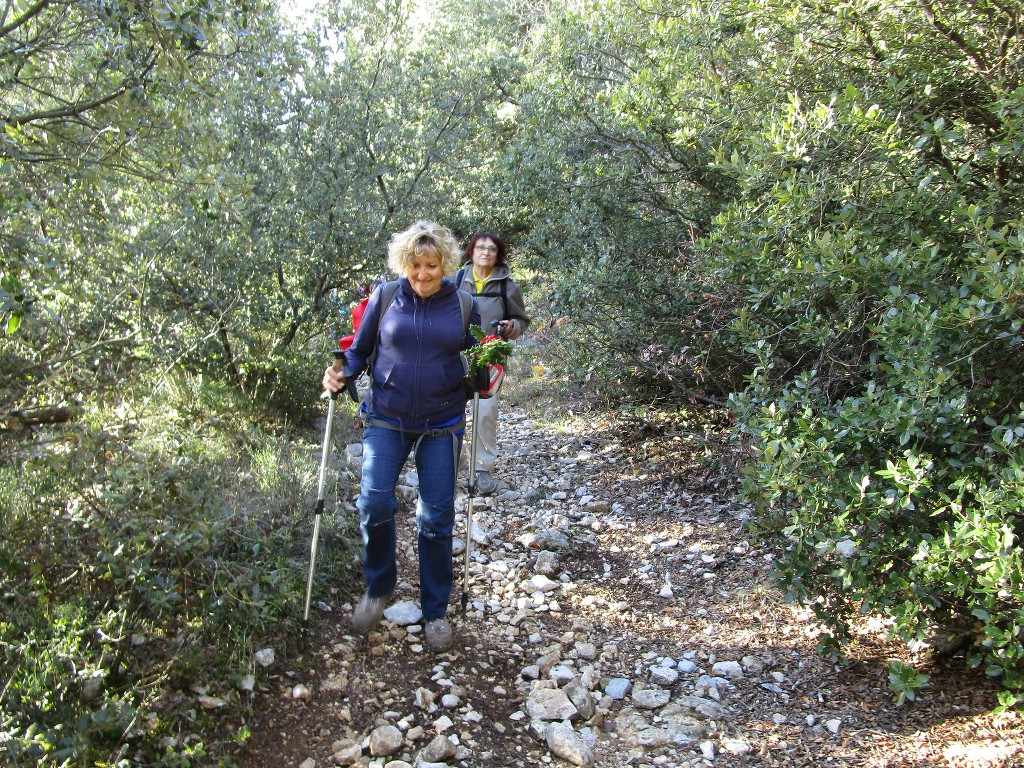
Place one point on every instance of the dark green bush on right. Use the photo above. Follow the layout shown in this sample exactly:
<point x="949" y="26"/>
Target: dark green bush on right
<point x="879" y="244"/>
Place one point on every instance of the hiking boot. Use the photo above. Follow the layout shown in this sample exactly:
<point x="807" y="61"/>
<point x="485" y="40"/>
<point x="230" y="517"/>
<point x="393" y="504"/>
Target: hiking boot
<point x="485" y="484"/>
<point x="439" y="635"/>
<point x="367" y="614"/>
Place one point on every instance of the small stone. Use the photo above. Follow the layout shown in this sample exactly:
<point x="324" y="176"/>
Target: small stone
<point x="664" y="676"/>
<point x="550" y="704"/>
<point x="651" y="698"/>
<point x="404" y="613"/>
<point x="581" y="699"/>
<point x="214" y="702"/>
<point x="561" y="674"/>
<point x="541" y="583"/>
<point x="653" y="738"/>
<point x="385" y="740"/>
<point x="729" y="669"/>
<point x="736" y="747"/>
<point x="681" y="726"/>
<point x="439" y="750"/>
<point x="618" y="688"/>
<point x="564" y="742"/>
<point x="424" y="698"/>
<point x="708" y="709"/>
<point x="547" y="564"/>
<point x="586" y="651"/>
<point x="686" y="666"/>
<point x="752" y="665"/>
<point x="479" y="535"/>
<point x="346" y="752"/>
<point x="92" y="687"/>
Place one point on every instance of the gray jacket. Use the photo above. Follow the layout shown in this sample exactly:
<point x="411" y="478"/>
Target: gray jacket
<point x="500" y="299"/>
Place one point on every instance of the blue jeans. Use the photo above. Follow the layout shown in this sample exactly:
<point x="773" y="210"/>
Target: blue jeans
<point x="384" y="454"/>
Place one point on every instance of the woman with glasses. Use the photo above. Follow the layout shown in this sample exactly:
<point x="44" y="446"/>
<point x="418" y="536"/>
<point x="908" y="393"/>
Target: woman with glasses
<point x="487" y="277"/>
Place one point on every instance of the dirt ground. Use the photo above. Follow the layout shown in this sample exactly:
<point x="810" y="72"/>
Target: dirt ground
<point x="671" y="481"/>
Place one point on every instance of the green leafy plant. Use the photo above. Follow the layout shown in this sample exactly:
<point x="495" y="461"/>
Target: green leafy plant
<point x="492" y="350"/>
<point x="881" y="304"/>
<point x="905" y="681"/>
<point x="173" y="557"/>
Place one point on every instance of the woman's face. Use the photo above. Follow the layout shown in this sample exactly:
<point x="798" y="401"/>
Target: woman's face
<point x="425" y="274"/>
<point x="485" y="254"/>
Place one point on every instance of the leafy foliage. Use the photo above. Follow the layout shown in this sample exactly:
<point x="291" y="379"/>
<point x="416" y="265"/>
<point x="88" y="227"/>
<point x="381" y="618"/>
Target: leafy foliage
<point x="905" y="681"/>
<point x="615" y="158"/>
<point x="809" y="212"/>
<point x="878" y="241"/>
<point x="98" y="105"/>
<point x="143" y="568"/>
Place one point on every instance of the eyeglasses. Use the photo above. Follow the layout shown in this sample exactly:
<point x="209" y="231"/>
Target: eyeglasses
<point x="490" y="248"/>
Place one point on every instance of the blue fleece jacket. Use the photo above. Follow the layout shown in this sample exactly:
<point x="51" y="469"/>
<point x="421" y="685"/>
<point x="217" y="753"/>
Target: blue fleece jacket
<point x="417" y="376"/>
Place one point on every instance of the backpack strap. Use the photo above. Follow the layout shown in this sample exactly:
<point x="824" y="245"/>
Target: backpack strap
<point x="387" y="297"/>
<point x="460" y="277"/>
<point x="372" y="421"/>
<point x="466" y="305"/>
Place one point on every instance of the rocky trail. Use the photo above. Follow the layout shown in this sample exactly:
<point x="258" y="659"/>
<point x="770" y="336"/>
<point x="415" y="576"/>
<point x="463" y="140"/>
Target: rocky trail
<point x="620" y="614"/>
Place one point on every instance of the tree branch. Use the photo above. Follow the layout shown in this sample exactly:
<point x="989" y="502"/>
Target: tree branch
<point x="951" y="34"/>
<point x="24" y="18"/>
<point x="79" y="108"/>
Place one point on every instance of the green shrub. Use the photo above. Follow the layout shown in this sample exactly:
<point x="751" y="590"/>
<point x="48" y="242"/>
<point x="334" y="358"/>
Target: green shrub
<point x="142" y="562"/>
<point x="887" y="402"/>
<point x="905" y="681"/>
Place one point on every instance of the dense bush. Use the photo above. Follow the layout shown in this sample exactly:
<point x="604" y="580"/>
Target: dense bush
<point x="142" y="562"/>
<point x="878" y="241"/>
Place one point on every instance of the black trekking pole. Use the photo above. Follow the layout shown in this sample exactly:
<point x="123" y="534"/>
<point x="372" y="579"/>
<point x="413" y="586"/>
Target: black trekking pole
<point x="339" y="357"/>
<point x="471" y="489"/>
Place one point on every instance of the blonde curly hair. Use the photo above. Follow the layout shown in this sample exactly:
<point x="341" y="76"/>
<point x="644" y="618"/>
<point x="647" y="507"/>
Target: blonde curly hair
<point x="421" y="238"/>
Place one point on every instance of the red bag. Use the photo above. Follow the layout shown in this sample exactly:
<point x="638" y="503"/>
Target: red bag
<point x="357" y="318"/>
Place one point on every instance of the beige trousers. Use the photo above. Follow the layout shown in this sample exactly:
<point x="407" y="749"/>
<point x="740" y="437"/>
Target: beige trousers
<point x="485" y="433"/>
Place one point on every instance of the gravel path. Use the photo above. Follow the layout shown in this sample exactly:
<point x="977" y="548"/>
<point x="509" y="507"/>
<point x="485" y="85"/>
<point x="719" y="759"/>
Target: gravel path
<point x="620" y="613"/>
